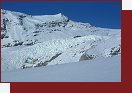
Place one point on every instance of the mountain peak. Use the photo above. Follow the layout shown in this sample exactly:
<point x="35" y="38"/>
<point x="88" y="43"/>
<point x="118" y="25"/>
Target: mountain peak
<point x="42" y="40"/>
<point x="59" y="14"/>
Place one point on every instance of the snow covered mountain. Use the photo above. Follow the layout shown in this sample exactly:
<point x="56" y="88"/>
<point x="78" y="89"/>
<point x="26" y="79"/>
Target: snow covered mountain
<point x="36" y="41"/>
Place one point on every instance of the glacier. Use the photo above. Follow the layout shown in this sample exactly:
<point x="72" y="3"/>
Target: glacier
<point x="37" y="42"/>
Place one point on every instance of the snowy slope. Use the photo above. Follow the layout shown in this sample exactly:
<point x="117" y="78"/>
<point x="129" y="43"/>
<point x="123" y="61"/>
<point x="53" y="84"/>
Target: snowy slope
<point x="36" y="41"/>
<point x="97" y="70"/>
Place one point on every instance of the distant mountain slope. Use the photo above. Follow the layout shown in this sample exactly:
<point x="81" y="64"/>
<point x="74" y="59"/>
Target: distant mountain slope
<point x="36" y="41"/>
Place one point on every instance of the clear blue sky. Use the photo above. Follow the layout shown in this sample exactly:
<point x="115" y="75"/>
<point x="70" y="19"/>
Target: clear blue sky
<point x="102" y="14"/>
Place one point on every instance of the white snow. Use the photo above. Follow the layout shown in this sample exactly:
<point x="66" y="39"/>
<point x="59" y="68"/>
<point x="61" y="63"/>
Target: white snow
<point x="41" y="41"/>
<point x="97" y="70"/>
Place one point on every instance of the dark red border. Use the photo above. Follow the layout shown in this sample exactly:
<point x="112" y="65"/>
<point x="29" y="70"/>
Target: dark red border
<point x="85" y="87"/>
<point x="127" y="49"/>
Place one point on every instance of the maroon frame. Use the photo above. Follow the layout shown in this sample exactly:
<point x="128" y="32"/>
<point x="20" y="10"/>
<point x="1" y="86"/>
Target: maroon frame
<point x="88" y="87"/>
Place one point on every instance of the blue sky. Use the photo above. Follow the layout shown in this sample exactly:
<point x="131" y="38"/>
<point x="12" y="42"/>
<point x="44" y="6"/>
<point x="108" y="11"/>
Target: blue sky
<point x="102" y="14"/>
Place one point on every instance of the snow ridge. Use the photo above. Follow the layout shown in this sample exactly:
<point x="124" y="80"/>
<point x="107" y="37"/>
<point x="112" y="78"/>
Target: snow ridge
<point x="38" y="41"/>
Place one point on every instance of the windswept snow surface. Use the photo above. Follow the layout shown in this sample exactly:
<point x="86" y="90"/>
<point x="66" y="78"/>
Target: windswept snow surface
<point x="97" y="70"/>
<point x="40" y="41"/>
